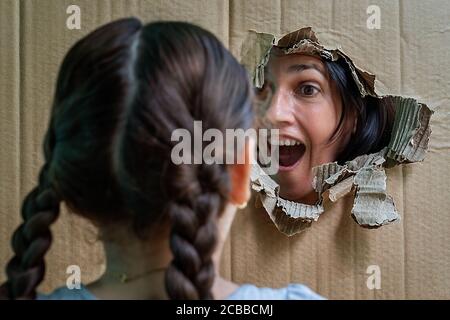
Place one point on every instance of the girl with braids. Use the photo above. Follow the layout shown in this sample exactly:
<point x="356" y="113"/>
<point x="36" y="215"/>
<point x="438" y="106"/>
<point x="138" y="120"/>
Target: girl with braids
<point x="121" y="92"/>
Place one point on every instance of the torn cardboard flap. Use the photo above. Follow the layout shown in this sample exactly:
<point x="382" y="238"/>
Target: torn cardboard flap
<point x="371" y="198"/>
<point x="255" y="54"/>
<point x="411" y="131"/>
<point x="290" y="217"/>
<point x="365" y="174"/>
<point x="341" y="189"/>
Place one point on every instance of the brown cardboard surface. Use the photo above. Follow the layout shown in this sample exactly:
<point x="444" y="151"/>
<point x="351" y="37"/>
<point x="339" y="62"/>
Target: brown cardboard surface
<point x="409" y="55"/>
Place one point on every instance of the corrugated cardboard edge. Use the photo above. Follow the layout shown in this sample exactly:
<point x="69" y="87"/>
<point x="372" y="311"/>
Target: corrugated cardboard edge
<point x="372" y="206"/>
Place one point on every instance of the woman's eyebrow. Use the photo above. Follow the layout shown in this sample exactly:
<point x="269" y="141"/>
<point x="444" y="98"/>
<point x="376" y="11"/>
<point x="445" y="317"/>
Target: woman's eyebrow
<point x="302" y="66"/>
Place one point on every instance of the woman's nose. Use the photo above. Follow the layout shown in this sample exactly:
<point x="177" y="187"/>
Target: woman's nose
<point x="280" y="113"/>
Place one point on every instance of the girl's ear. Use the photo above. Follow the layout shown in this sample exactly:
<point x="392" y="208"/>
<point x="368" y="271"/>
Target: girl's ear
<point x="240" y="175"/>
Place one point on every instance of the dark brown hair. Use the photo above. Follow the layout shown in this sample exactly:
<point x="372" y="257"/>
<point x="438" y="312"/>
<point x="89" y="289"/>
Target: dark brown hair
<point x="120" y="93"/>
<point x="374" y="116"/>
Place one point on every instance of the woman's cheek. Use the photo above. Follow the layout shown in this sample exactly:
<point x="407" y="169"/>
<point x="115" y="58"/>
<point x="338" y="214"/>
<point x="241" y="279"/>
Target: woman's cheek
<point x="321" y="126"/>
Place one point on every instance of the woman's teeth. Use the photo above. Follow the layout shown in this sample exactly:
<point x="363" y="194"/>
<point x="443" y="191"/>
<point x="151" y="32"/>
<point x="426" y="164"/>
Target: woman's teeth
<point x="286" y="142"/>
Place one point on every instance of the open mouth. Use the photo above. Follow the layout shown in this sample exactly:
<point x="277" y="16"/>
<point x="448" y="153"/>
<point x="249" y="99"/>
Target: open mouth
<point x="290" y="153"/>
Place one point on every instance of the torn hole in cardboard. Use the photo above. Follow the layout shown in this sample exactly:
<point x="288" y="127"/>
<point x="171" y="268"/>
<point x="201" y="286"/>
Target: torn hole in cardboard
<point x="365" y="175"/>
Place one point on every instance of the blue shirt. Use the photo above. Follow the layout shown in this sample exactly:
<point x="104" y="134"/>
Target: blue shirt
<point x="244" y="292"/>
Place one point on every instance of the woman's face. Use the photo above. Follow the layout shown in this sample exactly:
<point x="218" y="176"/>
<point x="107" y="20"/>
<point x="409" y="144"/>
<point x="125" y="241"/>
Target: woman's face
<point x="306" y="108"/>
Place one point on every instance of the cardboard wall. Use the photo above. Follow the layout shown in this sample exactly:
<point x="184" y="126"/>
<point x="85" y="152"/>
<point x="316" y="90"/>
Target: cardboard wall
<point x="410" y="56"/>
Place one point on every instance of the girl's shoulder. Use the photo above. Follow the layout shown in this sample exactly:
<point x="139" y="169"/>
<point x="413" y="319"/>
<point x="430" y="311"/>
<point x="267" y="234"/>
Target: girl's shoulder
<point x="244" y="292"/>
<point x="64" y="293"/>
<point x="292" y="291"/>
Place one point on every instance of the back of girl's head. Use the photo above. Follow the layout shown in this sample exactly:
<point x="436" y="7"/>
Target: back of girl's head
<point x="121" y="92"/>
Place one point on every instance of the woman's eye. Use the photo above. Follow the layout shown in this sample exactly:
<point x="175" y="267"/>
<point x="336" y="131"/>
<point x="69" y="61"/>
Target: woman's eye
<point x="307" y="90"/>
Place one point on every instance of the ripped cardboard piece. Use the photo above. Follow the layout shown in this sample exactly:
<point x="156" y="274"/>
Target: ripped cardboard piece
<point x="365" y="174"/>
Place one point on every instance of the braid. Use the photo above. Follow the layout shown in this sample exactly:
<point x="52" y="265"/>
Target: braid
<point x="31" y="241"/>
<point x="193" y="237"/>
